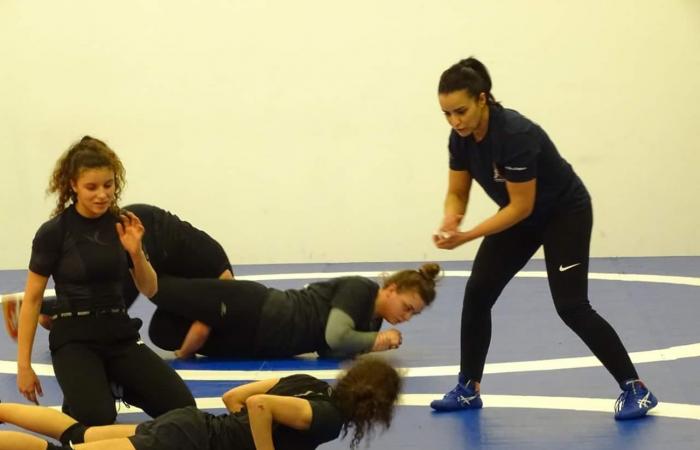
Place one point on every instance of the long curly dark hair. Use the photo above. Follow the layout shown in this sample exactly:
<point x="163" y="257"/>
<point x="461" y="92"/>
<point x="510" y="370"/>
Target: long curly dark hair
<point x="366" y="394"/>
<point x="88" y="153"/>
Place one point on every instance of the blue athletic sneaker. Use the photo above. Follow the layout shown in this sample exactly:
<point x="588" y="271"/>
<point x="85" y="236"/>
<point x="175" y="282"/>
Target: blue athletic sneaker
<point x="634" y="401"/>
<point x="463" y="396"/>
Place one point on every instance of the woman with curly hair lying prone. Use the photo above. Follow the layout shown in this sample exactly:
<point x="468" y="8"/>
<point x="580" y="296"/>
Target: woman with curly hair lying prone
<point x="297" y="412"/>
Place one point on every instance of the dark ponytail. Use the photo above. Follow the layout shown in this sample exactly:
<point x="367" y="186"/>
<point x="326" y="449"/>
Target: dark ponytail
<point x="469" y="74"/>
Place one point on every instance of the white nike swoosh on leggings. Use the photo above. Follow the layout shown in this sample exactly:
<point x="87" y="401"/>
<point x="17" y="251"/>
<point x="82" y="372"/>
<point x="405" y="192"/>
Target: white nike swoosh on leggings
<point x="564" y="269"/>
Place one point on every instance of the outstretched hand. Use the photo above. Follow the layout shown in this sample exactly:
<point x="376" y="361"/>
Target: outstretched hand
<point x="28" y="384"/>
<point x="130" y="231"/>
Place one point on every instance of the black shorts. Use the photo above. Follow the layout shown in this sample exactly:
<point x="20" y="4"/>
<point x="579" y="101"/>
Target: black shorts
<point x="179" y="429"/>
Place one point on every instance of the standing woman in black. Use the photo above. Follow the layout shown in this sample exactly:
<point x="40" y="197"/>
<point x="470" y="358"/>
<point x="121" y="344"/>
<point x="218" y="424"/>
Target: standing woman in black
<point x="542" y="202"/>
<point x="87" y="246"/>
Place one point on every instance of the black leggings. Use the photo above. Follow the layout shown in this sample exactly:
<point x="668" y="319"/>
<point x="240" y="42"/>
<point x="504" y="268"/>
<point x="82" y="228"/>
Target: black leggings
<point x="566" y="239"/>
<point x="84" y="371"/>
<point x="231" y="307"/>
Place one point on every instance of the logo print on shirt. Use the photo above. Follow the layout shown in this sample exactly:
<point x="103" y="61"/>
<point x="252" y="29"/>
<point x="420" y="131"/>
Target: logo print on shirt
<point x="310" y="394"/>
<point x="516" y="168"/>
<point x="304" y="394"/>
<point x="96" y="238"/>
<point x="497" y="177"/>
<point x="565" y="268"/>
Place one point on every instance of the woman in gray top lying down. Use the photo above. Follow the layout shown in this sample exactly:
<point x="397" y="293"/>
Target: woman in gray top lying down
<point x="337" y="318"/>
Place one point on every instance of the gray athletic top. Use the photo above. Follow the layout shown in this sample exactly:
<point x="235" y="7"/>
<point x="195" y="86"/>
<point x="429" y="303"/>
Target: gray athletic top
<point x="334" y="318"/>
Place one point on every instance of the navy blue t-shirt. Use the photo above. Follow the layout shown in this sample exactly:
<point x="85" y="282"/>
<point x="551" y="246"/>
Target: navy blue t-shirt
<point x="515" y="149"/>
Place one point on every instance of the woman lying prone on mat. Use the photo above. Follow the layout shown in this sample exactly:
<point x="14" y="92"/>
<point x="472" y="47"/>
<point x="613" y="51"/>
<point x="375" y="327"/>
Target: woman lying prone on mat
<point x="337" y="318"/>
<point x="296" y="412"/>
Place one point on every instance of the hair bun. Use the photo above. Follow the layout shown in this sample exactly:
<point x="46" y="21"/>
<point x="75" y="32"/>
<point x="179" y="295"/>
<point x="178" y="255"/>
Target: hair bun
<point x="430" y="271"/>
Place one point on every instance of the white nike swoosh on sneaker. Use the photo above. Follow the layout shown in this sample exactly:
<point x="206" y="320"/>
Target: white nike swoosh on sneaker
<point x="564" y="269"/>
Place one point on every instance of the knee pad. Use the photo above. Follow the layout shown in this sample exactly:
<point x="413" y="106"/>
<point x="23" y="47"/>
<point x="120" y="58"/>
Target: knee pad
<point x="74" y="434"/>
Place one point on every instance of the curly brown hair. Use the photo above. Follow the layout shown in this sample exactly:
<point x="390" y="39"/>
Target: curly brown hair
<point x="421" y="281"/>
<point x="88" y="153"/>
<point x="366" y="394"/>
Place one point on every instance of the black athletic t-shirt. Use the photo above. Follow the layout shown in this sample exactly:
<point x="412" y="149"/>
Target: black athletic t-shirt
<point x="294" y="321"/>
<point x="232" y="431"/>
<point x="517" y="150"/>
<point x="176" y="247"/>
<point x="87" y="262"/>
